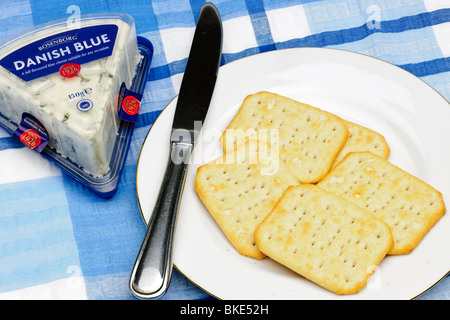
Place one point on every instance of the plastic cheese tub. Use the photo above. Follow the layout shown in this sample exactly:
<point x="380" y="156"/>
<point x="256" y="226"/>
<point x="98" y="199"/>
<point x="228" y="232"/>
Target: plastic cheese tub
<point x="72" y="91"/>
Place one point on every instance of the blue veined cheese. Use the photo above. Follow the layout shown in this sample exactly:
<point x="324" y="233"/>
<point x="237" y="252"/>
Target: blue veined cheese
<point x="79" y="113"/>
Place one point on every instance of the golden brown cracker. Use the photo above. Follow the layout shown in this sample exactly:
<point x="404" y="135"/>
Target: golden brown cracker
<point x="309" y="138"/>
<point x="241" y="188"/>
<point x="409" y="206"/>
<point x="326" y="239"/>
<point x="361" y="139"/>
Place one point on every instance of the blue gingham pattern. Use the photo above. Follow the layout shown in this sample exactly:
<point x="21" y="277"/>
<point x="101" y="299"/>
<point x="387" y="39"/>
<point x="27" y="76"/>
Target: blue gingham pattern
<point x="60" y="241"/>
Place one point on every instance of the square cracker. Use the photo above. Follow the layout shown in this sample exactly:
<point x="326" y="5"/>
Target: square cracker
<point x="326" y="239"/>
<point x="309" y="138"/>
<point x="240" y="188"/>
<point x="361" y="139"/>
<point x="409" y="206"/>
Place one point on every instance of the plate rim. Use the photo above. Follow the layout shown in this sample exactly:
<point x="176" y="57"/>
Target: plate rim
<point x="265" y="53"/>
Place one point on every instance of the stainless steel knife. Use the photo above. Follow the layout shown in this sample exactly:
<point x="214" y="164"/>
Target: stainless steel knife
<point x="151" y="273"/>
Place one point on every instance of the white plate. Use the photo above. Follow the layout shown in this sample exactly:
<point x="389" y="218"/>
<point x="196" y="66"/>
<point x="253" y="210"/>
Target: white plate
<point x="411" y="115"/>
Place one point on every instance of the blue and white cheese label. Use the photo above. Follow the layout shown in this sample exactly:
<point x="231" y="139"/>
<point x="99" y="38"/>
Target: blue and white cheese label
<point x="66" y="49"/>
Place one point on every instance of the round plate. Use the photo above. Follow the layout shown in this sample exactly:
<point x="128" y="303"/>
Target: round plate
<point x="411" y="115"/>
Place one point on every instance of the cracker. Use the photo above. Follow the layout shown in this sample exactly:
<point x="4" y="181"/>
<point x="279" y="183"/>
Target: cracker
<point x="240" y="189"/>
<point x="309" y="138"/>
<point x="324" y="238"/>
<point x="363" y="139"/>
<point x="409" y="206"/>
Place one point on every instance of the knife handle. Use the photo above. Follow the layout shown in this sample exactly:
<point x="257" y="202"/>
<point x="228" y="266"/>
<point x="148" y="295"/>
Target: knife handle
<point x="152" y="270"/>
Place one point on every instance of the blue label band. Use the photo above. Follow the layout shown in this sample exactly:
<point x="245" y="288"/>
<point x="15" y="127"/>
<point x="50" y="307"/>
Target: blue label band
<point x="129" y="104"/>
<point x="48" y="55"/>
<point x="32" y="133"/>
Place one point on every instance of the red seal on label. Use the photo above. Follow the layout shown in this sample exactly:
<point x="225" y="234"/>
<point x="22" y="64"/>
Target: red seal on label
<point x="69" y="70"/>
<point x="131" y="105"/>
<point x="30" y="138"/>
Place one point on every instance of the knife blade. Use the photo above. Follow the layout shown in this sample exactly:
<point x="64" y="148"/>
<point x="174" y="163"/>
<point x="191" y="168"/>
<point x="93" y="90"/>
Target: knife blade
<point x="151" y="273"/>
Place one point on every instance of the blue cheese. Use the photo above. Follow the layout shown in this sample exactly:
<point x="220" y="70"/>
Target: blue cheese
<point x="79" y="113"/>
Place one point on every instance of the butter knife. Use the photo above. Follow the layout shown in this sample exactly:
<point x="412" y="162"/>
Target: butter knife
<point x="152" y="270"/>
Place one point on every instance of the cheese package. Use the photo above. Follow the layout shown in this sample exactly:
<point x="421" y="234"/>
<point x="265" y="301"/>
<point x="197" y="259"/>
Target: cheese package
<point x="66" y="87"/>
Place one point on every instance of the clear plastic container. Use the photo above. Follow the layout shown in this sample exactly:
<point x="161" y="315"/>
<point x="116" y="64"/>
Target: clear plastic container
<point x="63" y="89"/>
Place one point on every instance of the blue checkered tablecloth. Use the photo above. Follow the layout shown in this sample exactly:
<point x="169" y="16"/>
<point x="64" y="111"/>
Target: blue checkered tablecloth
<point x="58" y="240"/>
